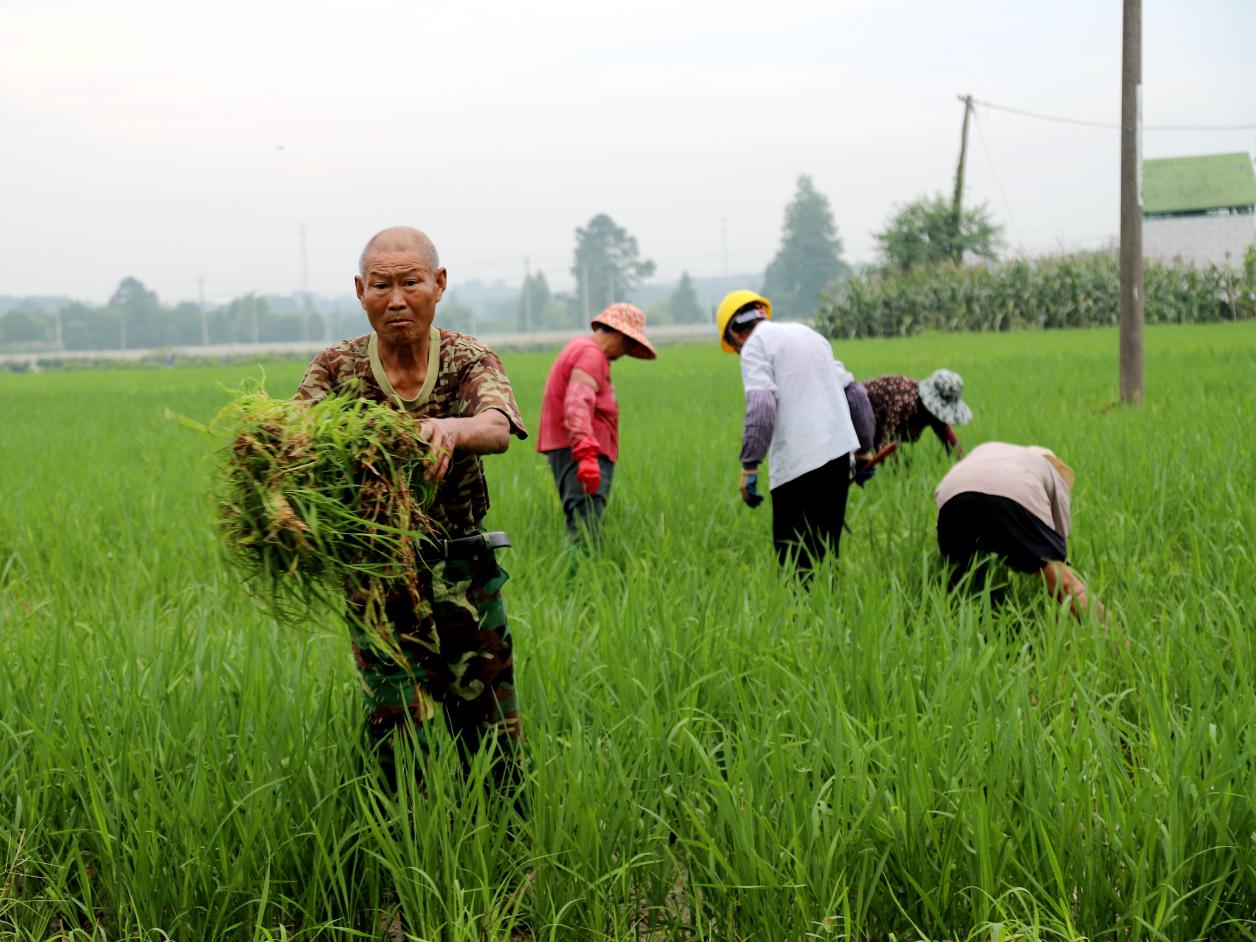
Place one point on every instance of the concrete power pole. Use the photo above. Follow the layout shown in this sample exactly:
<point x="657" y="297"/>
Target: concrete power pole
<point x="958" y="201"/>
<point x="1132" y="204"/>
<point x="253" y="316"/>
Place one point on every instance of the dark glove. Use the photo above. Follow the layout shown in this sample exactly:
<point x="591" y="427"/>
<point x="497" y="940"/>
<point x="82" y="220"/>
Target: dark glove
<point x="863" y="469"/>
<point x="750" y="488"/>
<point x="587" y="470"/>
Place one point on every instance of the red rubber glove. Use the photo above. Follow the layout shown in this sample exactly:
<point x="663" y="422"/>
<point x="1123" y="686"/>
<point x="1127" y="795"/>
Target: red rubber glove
<point x="587" y="470"/>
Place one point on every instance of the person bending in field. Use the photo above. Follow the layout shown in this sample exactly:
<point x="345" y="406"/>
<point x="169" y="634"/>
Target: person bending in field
<point x="1012" y="501"/>
<point x="903" y="408"/>
<point x="579" y="431"/>
<point x="796" y="416"/>
<point x="456" y="650"/>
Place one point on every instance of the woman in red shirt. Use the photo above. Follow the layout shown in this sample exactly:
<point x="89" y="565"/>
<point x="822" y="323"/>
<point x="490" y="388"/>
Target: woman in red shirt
<point x="579" y="431"/>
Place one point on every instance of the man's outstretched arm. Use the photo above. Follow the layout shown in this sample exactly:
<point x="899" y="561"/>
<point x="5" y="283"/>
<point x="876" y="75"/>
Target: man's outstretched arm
<point x="487" y="433"/>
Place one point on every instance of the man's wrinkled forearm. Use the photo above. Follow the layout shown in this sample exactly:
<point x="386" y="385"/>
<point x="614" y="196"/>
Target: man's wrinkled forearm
<point x="485" y="434"/>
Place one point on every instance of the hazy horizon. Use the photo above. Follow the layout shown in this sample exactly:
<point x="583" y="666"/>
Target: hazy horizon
<point x="147" y="140"/>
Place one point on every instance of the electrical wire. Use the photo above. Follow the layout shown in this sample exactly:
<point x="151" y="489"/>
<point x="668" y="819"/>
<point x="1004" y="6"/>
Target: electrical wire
<point x="1108" y="125"/>
<point x="997" y="182"/>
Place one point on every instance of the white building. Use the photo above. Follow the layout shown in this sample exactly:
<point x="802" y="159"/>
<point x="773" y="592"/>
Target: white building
<point x="1199" y="209"/>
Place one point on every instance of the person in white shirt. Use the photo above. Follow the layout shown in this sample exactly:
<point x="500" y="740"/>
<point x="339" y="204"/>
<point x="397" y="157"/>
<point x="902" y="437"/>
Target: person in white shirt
<point x="798" y="418"/>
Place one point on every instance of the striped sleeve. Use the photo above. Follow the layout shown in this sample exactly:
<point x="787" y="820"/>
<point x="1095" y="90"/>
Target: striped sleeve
<point x="861" y="415"/>
<point x="760" y="423"/>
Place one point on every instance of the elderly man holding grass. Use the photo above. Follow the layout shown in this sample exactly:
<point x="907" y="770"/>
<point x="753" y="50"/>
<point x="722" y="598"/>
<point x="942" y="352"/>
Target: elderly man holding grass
<point x="455" y="647"/>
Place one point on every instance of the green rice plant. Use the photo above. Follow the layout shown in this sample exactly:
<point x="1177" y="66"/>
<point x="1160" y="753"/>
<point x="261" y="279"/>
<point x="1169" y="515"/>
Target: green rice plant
<point x="715" y="752"/>
<point x="319" y="501"/>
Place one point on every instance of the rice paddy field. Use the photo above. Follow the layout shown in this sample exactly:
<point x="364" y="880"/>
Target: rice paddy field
<point x="715" y="752"/>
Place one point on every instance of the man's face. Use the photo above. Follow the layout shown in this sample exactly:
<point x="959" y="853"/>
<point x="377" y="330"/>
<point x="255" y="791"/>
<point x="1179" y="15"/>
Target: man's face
<point x="399" y="291"/>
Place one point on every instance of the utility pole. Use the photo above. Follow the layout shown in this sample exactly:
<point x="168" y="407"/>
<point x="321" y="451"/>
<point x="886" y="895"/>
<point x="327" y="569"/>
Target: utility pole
<point x="56" y="319"/>
<point x="1131" y="344"/>
<point x="527" y="295"/>
<point x="957" y="203"/>
<point x="200" y="290"/>
<point x="253" y="316"/>
<point x="305" y="289"/>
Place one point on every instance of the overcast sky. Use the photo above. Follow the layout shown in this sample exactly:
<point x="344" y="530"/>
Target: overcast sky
<point x="173" y="143"/>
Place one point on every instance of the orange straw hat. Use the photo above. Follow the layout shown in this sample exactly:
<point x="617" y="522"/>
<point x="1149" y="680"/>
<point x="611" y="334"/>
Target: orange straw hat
<point x="629" y="320"/>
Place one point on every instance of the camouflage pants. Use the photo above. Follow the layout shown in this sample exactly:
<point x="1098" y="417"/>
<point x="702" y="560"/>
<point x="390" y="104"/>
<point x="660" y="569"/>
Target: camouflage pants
<point x="457" y="663"/>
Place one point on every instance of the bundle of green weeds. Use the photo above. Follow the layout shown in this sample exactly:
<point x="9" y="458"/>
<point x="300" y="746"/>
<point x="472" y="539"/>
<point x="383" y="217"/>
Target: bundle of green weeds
<point x="324" y="502"/>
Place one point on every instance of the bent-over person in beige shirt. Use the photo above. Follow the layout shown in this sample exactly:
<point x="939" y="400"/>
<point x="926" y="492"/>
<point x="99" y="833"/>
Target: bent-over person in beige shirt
<point x="1012" y="501"/>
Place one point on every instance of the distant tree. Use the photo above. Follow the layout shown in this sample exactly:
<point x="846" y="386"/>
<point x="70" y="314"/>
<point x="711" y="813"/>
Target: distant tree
<point x="140" y="319"/>
<point x="561" y="312"/>
<point x="660" y="312"/>
<point x="84" y="327"/>
<point x="809" y="259"/>
<point x="683" y="304"/>
<point x="20" y="327"/>
<point x="186" y="323"/>
<point x="536" y="289"/>
<point x="131" y="296"/>
<point x="234" y="321"/>
<point x="923" y="232"/>
<point x="454" y="316"/>
<point x="607" y="264"/>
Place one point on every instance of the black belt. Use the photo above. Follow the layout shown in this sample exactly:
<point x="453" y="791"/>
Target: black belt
<point x="436" y="549"/>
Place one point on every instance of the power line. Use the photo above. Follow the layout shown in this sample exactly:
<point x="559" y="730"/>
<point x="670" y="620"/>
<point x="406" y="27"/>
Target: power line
<point x="997" y="182"/>
<point x="1110" y="125"/>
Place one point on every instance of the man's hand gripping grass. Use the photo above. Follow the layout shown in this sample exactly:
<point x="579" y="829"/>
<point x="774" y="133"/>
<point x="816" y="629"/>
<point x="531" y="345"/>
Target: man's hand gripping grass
<point x="485" y="434"/>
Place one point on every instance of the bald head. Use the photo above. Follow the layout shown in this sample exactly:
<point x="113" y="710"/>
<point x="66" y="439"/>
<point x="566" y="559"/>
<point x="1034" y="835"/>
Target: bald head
<point x="400" y="239"/>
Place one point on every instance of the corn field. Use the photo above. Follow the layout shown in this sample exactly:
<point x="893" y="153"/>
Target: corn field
<point x="1070" y="291"/>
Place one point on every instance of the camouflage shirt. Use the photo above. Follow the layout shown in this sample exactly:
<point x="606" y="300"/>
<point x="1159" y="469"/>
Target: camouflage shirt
<point x="464" y="378"/>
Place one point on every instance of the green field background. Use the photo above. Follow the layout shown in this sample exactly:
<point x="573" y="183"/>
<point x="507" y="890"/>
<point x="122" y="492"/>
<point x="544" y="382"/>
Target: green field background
<point x="715" y="752"/>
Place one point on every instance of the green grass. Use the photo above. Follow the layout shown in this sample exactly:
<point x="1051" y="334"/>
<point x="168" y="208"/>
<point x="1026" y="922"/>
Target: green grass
<point x="716" y="753"/>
